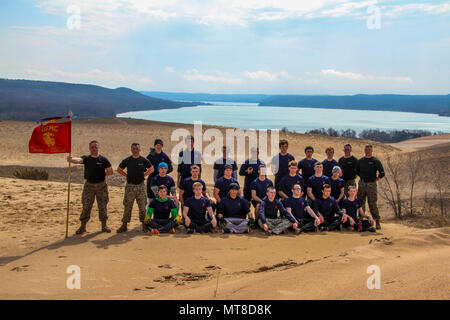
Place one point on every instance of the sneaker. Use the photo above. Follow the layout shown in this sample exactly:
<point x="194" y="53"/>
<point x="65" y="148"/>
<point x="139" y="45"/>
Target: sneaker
<point x="172" y="231"/>
<point x="378" y="225"/>
<point x="155" y="232"/>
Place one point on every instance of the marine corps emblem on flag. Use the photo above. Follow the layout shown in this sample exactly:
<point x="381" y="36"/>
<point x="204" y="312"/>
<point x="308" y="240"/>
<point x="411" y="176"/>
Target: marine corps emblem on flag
<point x="52" y="136"/>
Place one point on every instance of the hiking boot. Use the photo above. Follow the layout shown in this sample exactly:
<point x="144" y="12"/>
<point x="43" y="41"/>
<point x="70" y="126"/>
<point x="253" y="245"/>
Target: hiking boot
<point x="105" y="228"/>
<point x="145" y="229"/>
<point x="378" y="225"/>
<point x="123" y="228"/>
<point x="82" y="228"/>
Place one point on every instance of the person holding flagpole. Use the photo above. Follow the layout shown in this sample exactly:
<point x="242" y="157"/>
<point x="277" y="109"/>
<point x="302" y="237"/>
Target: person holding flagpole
<point x="96" y="168"/>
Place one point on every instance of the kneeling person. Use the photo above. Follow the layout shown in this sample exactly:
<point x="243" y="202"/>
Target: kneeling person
<point x="195" y="210"/>
<point x="162" y="213"/>
<point x="273" y="217"/>
<point x="299" y="207"/>
<point x="351" y="206"/>
<point x="232" y="211"/>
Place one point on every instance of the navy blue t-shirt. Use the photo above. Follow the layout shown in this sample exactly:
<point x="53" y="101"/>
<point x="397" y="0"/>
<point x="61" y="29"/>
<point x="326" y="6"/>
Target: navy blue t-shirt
<point x="219" y="165"/>
<point x="287" y="182"/>
<point x="197" y="207"/>
<point x="307" y="167"/>
<point x="327" y="207"/>
<point x="336" y="186"/>
<point x="261" y="187"/>
<point x="298" y="207"/>
<point x="136" y="167"/>
<point x="187" y="186"/>
<point x="328" y="167"/>
<point x="316" y="183"/>
<point x="223" y="185"/>
<point x="167" y="181"/>
<point x="249" y="178"/>
<point x="270" y="210"/>
<point x="351" y="207"/>
<point x="281" y="164"/>
<point x="156" y="158"/>
<point x="162" y="209"/>
<point x="233" y="208"/>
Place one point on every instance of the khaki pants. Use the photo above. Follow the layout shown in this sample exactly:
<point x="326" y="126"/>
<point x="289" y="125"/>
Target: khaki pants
<point x="92" y="191"/>
<point x="368" y="190"/>
<point x="133" y="192"/>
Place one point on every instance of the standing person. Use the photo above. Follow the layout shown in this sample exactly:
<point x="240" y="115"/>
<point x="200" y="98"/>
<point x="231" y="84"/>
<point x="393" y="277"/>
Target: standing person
<point x="156" y="156"/>
<point x="186" y="158"/>
<point x="195" y="210"/>
<point x="348" y="164"/>
<point x="249" y="169"/>
<point x="219" y="165"/>
<point x="280" y="162"/>
<point x="223" y="183"/>
<point x="273" y="217"/>
<point x="137" y="168"/>
<point x="328" y="209"/>
<point x="259" y="188"/>
<point x="337" y="184"/>
<point x="162" y="213"/>
<point x="186" y="187"/>
<point x="366" y="169"/>
<point x="286" y="183"/>
<point x="316" y="182"/>
<point x="96" y="168"/>
<point x="233" y="212"/>
<point x="351" y="207"/>
<point x="306" y="165"/>
<point x="302" y="212"/>
<point x="163" y="179"/>
<point x="329" y="162"/>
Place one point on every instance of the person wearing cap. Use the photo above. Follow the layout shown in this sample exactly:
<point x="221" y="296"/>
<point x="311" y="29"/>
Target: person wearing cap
<point x="328" y="210"/>
<point x="259" y="188"/>
<point x="273" y="217"/>
<point x="352" y="212"/>
<point x="348" y="164"/>
<point x="186" y="158"/>
<point x="329" y="162"/>
<point x="280" y="163"/>
<point x="219" y="165"/>
<point x="249" y="170"/>
<point x="223" y="183"/>
<point x="302" y="212"/>
<point x="162" y="213"/>
<point x="163" y="179"/>
<point x="156" y="156"/>
<point x="306" y="165"/>
<point x="196" y="210"/>
<point x="233" y="211"/>
<point x="337" y="184"/>
<point x="286" y="183"/>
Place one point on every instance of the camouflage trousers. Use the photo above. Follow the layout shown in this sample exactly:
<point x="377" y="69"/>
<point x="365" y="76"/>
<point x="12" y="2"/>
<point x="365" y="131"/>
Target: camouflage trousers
<point x="348" y="183"/>
<point x="276" y="226"/>
<point x="92" y="191"/>
<point x="368" y="190"/>
<point x="133" y="192"/>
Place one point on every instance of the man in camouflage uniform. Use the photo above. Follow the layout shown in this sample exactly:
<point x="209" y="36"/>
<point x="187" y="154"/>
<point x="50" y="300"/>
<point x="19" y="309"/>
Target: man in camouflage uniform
<point x="366" y="169"/>
<point x="137" y="168"/>
<point x="96" y="168"/>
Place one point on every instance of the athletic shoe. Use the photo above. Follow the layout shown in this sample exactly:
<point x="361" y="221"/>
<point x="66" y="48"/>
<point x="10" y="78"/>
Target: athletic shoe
<point x="171" y="231"/>
<point x="155" y="232"/>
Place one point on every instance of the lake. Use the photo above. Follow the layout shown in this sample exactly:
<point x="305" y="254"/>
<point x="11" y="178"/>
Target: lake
<point x="250" y="116"/>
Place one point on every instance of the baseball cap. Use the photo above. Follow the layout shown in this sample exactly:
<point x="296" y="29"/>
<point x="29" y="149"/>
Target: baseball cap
<point x="234" y="186"/>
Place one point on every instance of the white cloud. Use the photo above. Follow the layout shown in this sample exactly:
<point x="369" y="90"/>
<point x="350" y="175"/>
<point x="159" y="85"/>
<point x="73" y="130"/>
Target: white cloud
<point x="267" y="76"/>
<point x="169" y="69"/>
<point x="195" y="75"/>
<point x="359" y="76"/>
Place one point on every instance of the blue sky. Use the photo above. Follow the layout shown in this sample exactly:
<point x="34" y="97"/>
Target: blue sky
<point x="218" y="46"/>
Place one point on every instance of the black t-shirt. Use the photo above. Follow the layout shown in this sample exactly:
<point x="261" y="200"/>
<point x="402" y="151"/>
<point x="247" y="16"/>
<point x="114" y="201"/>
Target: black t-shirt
<point x="352" y="207"/>
<point x="187" y="186"/>
<point x="223" y="184"/>
<point x="367" y="169"/>
<point x="94" y="168"/>
<point x="287" y="182"/>
<point x="136" y="168"/>
<point x="197" y="207"/>
<point x="348" y="166"/>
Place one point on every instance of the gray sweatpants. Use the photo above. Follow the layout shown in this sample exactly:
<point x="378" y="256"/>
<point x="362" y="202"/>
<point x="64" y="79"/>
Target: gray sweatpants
<point x="237" y="225"/>
<point x="276" y="226"/>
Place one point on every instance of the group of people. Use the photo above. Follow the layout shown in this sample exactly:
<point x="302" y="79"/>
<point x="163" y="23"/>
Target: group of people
<point x="306" y="196"/>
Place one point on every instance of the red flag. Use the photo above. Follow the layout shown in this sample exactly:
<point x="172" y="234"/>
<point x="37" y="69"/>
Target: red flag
<point x="51" y="137"/>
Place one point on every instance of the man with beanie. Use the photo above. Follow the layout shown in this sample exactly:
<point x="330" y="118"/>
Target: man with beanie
<point x="156" y="156"/>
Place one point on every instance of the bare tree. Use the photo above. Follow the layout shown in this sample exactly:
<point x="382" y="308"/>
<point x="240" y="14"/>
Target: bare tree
<point x="440" y="177"/>
<point x="414" y="170"/>
<point x="392" y="185"/>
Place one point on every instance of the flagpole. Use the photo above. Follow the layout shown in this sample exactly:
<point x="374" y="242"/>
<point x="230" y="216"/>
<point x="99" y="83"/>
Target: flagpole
<point x="68" y="185"/>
